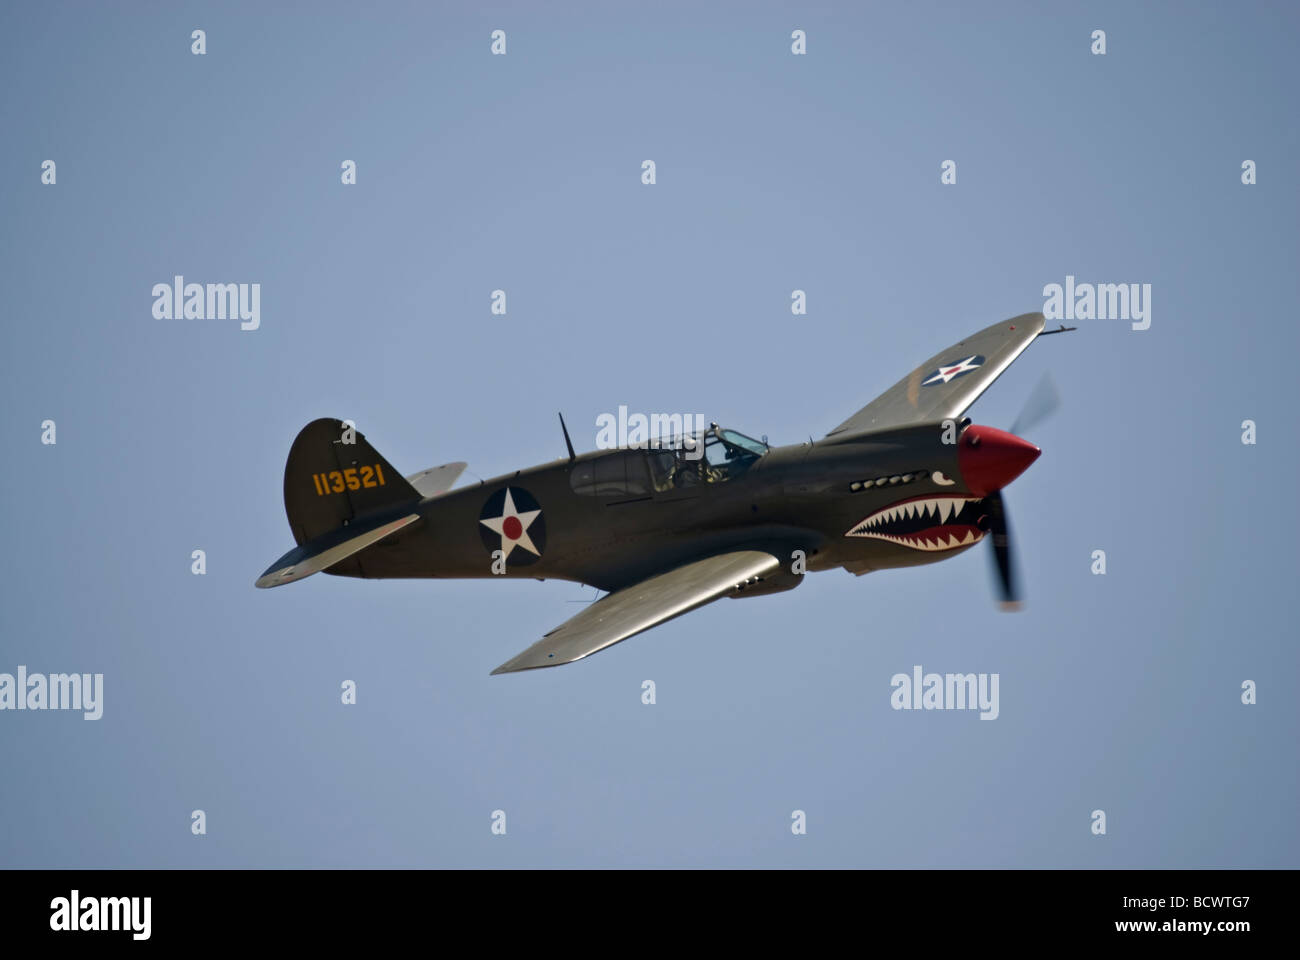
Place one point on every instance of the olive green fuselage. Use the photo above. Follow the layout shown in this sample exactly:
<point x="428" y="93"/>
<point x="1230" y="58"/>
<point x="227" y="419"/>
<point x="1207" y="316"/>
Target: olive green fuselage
<point x="806" y="497"/>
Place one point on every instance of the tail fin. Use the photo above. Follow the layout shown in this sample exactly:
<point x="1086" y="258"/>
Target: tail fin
<point x="333" y="477"/>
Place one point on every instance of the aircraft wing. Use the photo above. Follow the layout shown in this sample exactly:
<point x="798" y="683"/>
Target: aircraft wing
<point x="436" y="480"/>
<point x="627" y="612"/>
<point x="949" y="382"/>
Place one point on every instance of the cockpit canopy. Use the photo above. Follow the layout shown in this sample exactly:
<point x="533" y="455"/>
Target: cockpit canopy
<point x="710" y="457"/>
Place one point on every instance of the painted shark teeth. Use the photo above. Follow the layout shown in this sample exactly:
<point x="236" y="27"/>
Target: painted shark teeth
<point x="940" y="511"/>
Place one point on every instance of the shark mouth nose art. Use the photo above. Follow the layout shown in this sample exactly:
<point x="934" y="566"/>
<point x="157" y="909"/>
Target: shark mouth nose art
<point x="925" y="523"/>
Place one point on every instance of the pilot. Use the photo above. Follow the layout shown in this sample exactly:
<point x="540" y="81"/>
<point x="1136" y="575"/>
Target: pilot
<point x="663" y="469"/>
<point x="689" y="471"/>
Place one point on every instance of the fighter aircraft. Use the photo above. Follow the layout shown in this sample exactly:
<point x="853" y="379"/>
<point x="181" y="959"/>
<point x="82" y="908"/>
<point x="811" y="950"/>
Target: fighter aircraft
<point x="681" y="521"/>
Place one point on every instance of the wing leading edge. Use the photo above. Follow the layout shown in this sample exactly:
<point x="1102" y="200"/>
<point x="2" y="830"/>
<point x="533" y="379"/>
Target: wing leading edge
<point x="949" y="382"/>
<point x="633" y="609"/>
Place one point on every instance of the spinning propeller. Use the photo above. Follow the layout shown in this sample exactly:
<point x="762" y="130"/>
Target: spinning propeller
<point x="990" y="459"/>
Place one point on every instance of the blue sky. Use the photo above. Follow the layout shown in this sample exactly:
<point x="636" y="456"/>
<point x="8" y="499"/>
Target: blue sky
<point x="774" y="172"/>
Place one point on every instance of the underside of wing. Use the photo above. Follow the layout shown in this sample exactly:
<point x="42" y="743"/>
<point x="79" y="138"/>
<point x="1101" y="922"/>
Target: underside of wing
<point x="949" y="382"/>
<point x="629" y="611"/>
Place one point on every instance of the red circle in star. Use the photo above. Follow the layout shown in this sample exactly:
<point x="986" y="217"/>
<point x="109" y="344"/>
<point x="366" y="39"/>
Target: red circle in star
<point x="512" y="528"/>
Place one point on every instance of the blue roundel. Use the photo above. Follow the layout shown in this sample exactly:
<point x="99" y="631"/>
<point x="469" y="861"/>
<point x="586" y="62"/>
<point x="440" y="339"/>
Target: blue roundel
<point x="511" y="521"/>
<point x="952" y="370"/>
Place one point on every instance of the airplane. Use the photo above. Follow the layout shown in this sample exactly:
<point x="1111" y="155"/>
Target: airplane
<point x="666" y="527"/>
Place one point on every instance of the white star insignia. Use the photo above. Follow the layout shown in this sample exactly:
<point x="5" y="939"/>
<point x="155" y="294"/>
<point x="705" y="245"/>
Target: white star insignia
<point x="513" y="527"/>
<point x="947" y="373"/>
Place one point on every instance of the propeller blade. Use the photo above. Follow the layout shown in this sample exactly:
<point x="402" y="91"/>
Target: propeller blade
<point x="1042" y="402"/>
<point x="1000" y="537"/>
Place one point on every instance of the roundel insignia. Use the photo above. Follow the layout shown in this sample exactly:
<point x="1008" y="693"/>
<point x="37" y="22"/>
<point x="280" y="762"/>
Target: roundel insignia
<point x="511" y="521"/>
<point x="953" y="370"/>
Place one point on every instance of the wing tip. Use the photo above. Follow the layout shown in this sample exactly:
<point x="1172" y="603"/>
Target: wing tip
<point x="278" y="576"/>
<point x="518" y="665"/>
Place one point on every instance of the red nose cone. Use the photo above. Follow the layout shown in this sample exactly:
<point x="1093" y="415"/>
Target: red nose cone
<point x="989" y="458"/>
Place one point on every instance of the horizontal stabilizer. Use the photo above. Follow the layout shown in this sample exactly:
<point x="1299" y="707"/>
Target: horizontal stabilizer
<point x="328" y="549"/>
<point x="436" y="480"/>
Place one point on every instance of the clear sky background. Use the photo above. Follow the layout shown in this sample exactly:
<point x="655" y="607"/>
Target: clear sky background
<point x="775" y="172"/>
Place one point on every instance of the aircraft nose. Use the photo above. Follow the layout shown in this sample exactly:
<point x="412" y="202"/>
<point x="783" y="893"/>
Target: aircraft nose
<point x="989" y="458"/>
